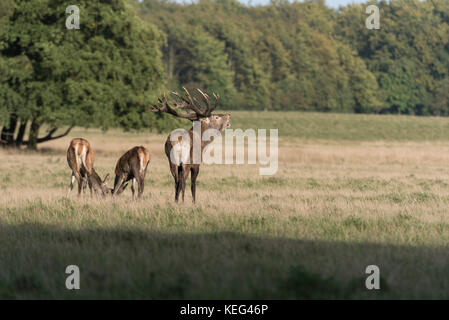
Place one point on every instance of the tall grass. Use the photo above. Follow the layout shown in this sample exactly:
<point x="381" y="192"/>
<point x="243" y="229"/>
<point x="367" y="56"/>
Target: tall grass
<point x="337" y="204"/>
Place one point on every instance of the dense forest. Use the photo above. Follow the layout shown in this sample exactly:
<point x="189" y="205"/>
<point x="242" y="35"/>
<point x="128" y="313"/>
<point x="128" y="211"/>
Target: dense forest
<point x="282" y="56"/>
<point x="307" y="56"/>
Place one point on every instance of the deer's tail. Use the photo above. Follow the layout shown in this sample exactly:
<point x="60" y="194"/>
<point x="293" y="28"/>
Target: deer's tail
<point x="83" y="156"/>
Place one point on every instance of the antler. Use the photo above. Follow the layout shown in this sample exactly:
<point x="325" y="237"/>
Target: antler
<point x="207" y="100"/>
<point x="188" y="103"/>
<point x="163" y="106"/>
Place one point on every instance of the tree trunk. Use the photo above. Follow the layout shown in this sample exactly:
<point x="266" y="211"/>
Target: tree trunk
<point x="171" y="62"/>
<point x="7" y="135"/>
<point x="21" y="133"/>
<point x="34" y="132"/>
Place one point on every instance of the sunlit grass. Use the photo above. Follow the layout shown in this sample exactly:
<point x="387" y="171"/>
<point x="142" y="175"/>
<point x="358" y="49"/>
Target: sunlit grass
<point x="335" y="206"/>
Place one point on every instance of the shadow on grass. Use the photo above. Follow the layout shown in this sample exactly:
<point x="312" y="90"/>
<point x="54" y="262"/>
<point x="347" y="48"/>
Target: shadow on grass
<point x="136" y="264"/>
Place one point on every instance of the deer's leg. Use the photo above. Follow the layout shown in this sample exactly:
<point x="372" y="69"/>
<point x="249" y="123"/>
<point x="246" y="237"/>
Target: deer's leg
<point x="141" y="185"/>
<point x="143" y="174"/>
<point x="118" y="183"/>
<point x="89" y="183"/>
<point x="140" y="178"/>
<point x="72" y="181"/>
<point x="195" y="171"/>
<point x="85" y="183"/>
<point x="71" y="160"/>
<point x="133" y="183"/>
<point x="174" y="172"/>
<point x="183" y="187"/>
<point x="178" y="184"/>
<point x="186" y="172"/>
<point x="80" y="181"/>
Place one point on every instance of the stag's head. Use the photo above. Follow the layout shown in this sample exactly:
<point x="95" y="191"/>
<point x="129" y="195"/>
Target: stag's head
<point x="193" y="109"/>
<point x="217" y="121"/>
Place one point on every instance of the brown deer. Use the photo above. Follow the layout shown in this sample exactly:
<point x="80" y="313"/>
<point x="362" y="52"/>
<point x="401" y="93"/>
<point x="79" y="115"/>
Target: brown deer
<point x="81" y="157"/>
<point x="132" y="165"/>
<point x="181" y="168"/>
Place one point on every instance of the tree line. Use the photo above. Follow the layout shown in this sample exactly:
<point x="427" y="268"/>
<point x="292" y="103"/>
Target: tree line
<point x="281" y="56"/>
<point x="306" y="56"/>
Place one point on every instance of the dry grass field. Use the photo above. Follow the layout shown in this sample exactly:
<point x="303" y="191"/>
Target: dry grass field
<point x="339" y="202"/>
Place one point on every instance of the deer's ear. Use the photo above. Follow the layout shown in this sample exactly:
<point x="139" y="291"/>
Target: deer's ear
<point x="106" y="178"/>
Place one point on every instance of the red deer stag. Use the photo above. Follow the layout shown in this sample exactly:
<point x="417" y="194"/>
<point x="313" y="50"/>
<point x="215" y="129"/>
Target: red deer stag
<point x="80" y="157"/>
<point x="132" y="165"/>
<point x="181" y="168"/>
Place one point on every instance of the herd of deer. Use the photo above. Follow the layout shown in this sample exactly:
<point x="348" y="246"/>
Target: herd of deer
<point x="134" y="163"/>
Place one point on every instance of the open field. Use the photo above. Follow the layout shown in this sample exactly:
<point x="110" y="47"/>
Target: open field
<point x="350" y="191"/>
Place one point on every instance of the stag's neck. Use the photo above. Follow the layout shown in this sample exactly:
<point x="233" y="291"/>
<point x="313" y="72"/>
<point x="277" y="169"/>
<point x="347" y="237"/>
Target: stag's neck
<point x="204" y="127"/>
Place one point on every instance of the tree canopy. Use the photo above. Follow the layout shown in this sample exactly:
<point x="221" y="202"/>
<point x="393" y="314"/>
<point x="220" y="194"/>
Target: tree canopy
<point x="287" y="55"/>
<point x="291" y="55"/>
<point x="104" y="74"/>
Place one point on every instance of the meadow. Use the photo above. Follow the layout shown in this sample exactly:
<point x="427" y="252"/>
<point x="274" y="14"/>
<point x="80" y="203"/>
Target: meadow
<point x="350" y="191"/>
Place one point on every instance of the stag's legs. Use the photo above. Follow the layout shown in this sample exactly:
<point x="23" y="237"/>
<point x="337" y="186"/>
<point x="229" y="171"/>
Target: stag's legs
<point x="185" y="175"/>
<point x="183" y="186"/>
<point x="180" y="174"/>
<point x="178" y="183"/>
<point x="72" y="181"/>
<point x="174" y="172"/>
<point x="195" y="171"/>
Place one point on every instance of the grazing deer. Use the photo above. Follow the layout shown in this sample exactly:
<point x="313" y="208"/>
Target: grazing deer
<point x="181" y="168"/>
<point x="80" y="157"/>
<point x="132" y="165"/>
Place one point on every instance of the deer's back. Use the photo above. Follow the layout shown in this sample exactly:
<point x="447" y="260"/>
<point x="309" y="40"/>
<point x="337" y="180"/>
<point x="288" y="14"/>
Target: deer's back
<point x="138" y="157"/>
<point x="81" y="153"/>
